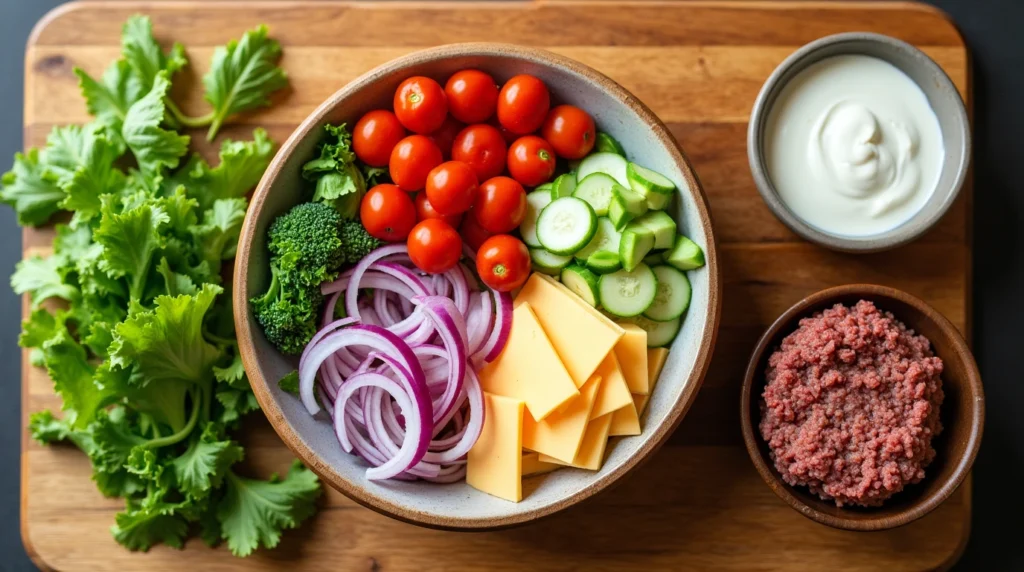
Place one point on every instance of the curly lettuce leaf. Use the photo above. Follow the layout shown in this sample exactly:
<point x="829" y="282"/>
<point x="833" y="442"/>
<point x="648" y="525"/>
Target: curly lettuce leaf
<point x="222" y="224"/>
<point x="41" y="279"/>
<point x="144" y="55"/>
<point x="109" y="99"/>
<point x="241" y="166"/>
<point x="74" y="379"/>
<point x="204" y="464"/>
<point x="129" y="240"/>
<point x="154" y="147"/>
<point x="339" y="180"/>
<point x="26" y="189"/>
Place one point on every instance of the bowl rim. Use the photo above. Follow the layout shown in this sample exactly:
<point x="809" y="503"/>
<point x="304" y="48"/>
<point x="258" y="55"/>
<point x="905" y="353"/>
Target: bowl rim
<point x="240" y="305"/>
<point x="917" y="224"/>
<point x="752" y="437"/>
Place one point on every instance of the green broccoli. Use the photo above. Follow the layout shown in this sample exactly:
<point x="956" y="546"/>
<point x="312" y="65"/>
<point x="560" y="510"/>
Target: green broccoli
<point x="287" y="312"/>
<point x="311" y="230"/>
<point x="356" y="243"/>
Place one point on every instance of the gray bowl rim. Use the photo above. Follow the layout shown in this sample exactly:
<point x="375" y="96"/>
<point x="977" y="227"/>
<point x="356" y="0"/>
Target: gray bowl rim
<point x="806" y="55"/>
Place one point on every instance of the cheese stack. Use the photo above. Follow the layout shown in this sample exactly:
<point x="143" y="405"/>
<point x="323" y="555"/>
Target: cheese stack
<point x="567" y="380"/>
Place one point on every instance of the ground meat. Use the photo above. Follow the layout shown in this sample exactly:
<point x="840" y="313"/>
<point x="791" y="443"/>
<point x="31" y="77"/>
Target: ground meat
<point x="851" y="405"/>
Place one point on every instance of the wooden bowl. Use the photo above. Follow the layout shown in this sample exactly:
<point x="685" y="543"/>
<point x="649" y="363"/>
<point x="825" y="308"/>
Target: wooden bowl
<point x="962" y="412"/>
<point x="458" y="506"/>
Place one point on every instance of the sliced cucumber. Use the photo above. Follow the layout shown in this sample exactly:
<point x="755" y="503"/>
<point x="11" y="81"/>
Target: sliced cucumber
<point x="596" y="189"/>
<point x="548" y="262"/>
<point x="624" y="293"/>
<point x="606" y="238"/>
<point x="626" y="205"/>
<point x="685" y="254"/>
<point x="563" y="186"/>
<point x="603" y="262"/>
<point x="654" y="259"/>
<point x="582" y="282"/>
<point x="645" y="178"/>
<point x="657" y="201"/>
<point x="545" y="187"/>
<point x="673" y="297"/>
<point x="605" y="143"/>
<point x="607" y="163"/>
<point x="658" y="333"/>
<point x="663" y="227"/>
<point x="535" y="202"/>
<point x="566" y="225"/>
<point x="636" y="242"/>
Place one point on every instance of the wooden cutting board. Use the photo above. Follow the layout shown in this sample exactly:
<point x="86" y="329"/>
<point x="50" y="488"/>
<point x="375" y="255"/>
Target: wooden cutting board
<point x="699" y="503"/>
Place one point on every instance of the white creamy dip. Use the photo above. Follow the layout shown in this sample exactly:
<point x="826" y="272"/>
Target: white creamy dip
<point x="852" y="146"/>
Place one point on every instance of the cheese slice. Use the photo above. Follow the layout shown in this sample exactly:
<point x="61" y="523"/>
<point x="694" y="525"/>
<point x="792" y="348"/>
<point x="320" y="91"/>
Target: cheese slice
<point x="625" y="421"/>
<point x="532" y="465"/>
<point x="632" y="353"/>
<point x="595" y="441"/>
<point x="614" y="394"/>
<point x="559" y="434"/>
<point x="580" y="334"/>
<point x="495" y="463"/>
<point x="528" y="368"/>
<point x="655" y="361"/>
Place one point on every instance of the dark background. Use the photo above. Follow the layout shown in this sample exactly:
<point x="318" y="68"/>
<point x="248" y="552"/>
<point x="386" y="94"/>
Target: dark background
<point x="994" y="31"/>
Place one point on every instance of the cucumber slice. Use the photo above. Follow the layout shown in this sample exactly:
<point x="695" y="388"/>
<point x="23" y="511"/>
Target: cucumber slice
<point x="606" y="238"/>
<point x="545" y="187"/>
<point x="625" y="206"/>
<point x="596" y="189"/>
<point x="608" y="163"/>
<point x="548" y="262"/>
<point x="566" y="225"/>
<point x="563" y="186"/>
<point x="659" y="334"/>
<point x="654" y="259"/>
<point x="673" y="297"/>
<point x="624" y="293"/>
<point x="685" y="254"/>
<point x="582" y="282"/>
<point x="603" y="262"/>
<point x="663" y="227"/>
<point x="605" y="143"/>
<point x="636" y="242"/>
<point x="645" y="178"/>
<point x="535" y="202"/>
<point x="657" y="201"/>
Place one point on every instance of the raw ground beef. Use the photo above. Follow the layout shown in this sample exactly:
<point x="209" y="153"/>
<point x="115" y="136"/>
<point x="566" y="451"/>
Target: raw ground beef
<point x="851" y="405"/>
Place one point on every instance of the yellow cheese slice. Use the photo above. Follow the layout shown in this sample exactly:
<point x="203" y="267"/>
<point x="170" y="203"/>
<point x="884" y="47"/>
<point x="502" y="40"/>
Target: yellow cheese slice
<point x="655" y="361"/>
<point x="495" y="463"/>
<point x="614" y="394"/>
<point x="632" y="353"/>
<point x="559" y="434"/>
<point x="528" y="368"/>
<point x="532" y="465"/>
<point x="625" y="421"/>
<point x="591" y="453"/>
<point x="580" y="334"/>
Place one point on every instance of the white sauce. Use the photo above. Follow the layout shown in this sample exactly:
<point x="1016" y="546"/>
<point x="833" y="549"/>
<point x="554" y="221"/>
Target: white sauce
<point x="852" y="146"/>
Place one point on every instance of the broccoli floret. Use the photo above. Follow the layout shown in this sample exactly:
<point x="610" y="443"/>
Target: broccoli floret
<point x="287" y="312"/>
<point x="356" y="243"/>
<point x="311" y="230"/>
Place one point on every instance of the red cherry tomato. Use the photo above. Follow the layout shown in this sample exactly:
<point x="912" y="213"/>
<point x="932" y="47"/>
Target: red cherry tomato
<point x="472" y="96"/>
<point x="523" y="104"/>
<point x="503" y="262"/>
<point x="425" y="210"/>
<point x="472" y="233"/>
<point x="411" y="161"/>
<point x="451" y="188"/>
<point x="483" y="148"/>
<point x="375" y="136"/>
<point x="500" y="204"/>
<point x="444" y="137"/>
<point x="434" y="246"/>
<point x="387" y="213"/>
<point x="531" y="160"/>
<point x="420" y="104"/>
<point x="570" y="130"/>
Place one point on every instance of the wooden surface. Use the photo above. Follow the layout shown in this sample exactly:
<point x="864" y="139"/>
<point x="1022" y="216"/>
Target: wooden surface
<point x="698" y="504"/>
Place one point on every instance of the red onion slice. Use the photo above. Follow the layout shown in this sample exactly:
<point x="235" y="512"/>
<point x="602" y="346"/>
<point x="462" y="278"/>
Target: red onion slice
<point x="352" y="293"/>
<point x="502" y="324"/>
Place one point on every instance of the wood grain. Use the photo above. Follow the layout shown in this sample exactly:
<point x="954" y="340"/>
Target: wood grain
<point x="698" y="504"/>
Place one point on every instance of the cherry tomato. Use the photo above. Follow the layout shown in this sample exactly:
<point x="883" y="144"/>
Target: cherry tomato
<point x="434" y="246"/>
<point x="387" y="213"/>
<point x="472" y="233"/>
<point x="411" y="161"/>
<point x="444" y="137"/>
<point x="483" y="148"/>
<point x="503" y="262"/>
<point x="500" y="204"/>
<point x="523" y="104"/>
<point x="420" y="104"/>
<point x="451" y="187"/>
<point x="570" y="130"/>
<point x="425" y="210"/>
<point x="472" y="96"/>
<point x="531" y="160"/>
<point x="375" y="135"/>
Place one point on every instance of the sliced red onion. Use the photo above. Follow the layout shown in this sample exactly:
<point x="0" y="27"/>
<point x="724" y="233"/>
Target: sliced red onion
<point x="502" y="325"/>
<point x="472" y="429"/>
<point x="448" y="323"/>
<point x="460" y="287"/>
<point x="458" y="472"/>
<point x="479" y="320"/>
<point x="352" y="294"/>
